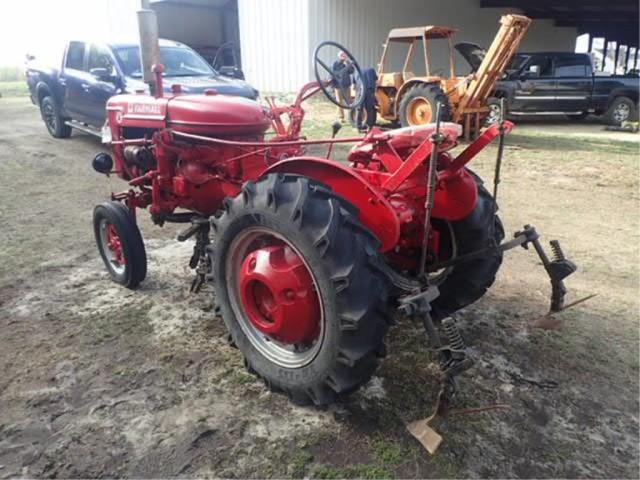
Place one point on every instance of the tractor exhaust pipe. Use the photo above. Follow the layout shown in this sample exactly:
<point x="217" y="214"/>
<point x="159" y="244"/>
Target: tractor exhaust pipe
<point x="150" y="50"/>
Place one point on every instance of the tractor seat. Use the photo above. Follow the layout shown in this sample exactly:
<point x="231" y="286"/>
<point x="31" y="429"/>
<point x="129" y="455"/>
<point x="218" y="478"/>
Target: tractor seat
<point x="409" y="137"/>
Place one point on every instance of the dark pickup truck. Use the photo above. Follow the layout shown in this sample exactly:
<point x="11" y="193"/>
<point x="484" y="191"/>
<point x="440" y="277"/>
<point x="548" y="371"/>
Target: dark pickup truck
<point x="75" y="94"/>
<point x="556" y="83"/>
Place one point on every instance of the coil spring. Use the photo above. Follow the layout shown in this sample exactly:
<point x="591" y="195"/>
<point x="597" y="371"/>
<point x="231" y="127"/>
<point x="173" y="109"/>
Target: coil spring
<point x="558" y="254"/>
<point x="453" y="334"/>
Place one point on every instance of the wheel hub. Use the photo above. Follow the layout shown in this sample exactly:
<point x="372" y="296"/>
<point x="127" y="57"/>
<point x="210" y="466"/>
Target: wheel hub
<point x="278" y="295"/>
<point x="115" y="245"/>
<point x="419" y="111"/>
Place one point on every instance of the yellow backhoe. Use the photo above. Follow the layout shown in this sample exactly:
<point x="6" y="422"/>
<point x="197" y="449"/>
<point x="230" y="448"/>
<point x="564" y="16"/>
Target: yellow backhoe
<point x="402" y="96"/>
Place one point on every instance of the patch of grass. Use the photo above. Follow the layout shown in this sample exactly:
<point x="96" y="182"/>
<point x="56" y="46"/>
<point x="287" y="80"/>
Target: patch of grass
<point x="549" y="141"/>
<point x="389" y="452"/>
<point x="123" y="371"/>
<point x="11" y="73"/>
<point x="366" y="471"/>
<point x="298" y="465"/>
<point x="17" y="88"/>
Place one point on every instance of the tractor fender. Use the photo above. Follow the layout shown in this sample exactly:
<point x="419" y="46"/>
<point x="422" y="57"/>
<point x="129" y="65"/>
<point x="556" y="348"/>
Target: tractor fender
<point x="375" y="212"/>
<point x="404" y="88"/>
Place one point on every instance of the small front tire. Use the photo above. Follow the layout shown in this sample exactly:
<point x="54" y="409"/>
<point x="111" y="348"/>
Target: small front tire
<point x="120" y="244"/>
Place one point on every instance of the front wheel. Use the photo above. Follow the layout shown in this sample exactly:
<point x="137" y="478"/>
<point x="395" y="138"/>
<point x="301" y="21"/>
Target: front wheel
<point x="120" y="243"/>
<point x="53" y="119"/>
<point x="298" y="282"/>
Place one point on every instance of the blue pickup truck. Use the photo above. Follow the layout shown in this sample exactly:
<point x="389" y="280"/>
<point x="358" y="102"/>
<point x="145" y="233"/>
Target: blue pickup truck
<point x="75" y="94"/>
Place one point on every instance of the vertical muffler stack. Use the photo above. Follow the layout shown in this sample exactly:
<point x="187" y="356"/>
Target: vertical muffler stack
<point x="150" y="49"/>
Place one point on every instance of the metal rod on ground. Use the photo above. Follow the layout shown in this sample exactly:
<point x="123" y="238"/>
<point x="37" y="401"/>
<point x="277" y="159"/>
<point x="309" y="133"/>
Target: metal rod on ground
<point x="436" y="140"/>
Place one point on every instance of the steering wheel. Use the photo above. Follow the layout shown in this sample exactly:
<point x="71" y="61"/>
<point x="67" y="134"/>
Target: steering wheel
<point x="329" y="80"/>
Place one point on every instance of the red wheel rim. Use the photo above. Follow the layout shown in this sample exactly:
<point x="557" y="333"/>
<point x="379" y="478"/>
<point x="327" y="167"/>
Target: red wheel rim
<point x="115" y="245"/>
<point x="112" y="247"/>
<point x="275" y="297"/>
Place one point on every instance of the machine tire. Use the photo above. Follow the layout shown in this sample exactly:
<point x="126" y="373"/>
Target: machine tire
<point x="469" y="281"/>
<point x="134" y="268"/>
<point x="612" y="115"/>
<point x="428" y="93"/>
<point x="342" y="257"/>
<point x="495" y="106"/>
<point x="52" y="118"/>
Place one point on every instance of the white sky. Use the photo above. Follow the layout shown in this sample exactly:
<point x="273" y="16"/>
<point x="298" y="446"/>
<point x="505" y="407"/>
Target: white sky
<point x="41" y="27"/>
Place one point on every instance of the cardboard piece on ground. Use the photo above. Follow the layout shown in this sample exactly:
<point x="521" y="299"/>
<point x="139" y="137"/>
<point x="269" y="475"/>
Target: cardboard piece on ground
<point x="426" y="435"/>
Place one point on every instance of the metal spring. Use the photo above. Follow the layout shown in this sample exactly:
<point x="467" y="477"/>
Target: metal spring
<point x="453" y="334"/>
<point x="558" y="254"/>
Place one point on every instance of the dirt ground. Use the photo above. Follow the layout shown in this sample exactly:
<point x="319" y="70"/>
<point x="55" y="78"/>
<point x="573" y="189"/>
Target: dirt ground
<point x="99" y="381"/>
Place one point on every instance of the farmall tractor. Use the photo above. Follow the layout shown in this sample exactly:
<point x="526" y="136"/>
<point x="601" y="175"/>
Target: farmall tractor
<point x="310" y="257"/>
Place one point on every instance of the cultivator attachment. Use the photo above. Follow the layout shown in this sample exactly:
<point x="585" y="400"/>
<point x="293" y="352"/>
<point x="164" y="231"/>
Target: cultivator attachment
<point x="454" y="358"/>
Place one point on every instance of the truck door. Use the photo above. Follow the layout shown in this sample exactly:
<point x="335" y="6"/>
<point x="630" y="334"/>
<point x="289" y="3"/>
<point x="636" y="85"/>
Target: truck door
<point x="71" y="79"/>
<point x="574" y="83"/>
<point x="101" y="84"/>
<point x="535" y="88"/>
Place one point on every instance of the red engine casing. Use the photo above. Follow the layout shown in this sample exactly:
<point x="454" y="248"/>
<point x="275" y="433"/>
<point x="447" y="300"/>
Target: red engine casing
<point x="195" y="177"/>
<point x="209" y="114"/>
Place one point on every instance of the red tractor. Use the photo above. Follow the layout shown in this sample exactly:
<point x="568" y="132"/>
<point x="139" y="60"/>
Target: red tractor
<point x="309" y="257"/>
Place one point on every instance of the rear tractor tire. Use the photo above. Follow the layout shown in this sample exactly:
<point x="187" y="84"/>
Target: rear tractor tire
<point x="419" y="105"/>
<point x="298" y="283"/>
<point x="468" y="281"/>
<point x="120" y="243"/>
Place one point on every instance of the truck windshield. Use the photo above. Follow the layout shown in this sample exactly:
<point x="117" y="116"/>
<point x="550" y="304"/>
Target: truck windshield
<point x="177" y="61"/>
<point x="517" y="62"/>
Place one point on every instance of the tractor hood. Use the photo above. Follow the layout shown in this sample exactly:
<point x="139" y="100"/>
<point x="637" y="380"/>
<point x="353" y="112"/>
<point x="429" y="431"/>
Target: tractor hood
<point x="472" y="53"/>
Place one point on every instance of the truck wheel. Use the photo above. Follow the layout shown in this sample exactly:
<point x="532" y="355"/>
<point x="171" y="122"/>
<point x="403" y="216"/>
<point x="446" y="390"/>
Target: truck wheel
<point x="467" y="282"/>
<point x="52" y="118"/>
<point x="622" y="109"/>
<point x="298" y="283"/>
<point x="419" y="105"/>
<point x="495" y="108"/>
<point x="120" y="243"/>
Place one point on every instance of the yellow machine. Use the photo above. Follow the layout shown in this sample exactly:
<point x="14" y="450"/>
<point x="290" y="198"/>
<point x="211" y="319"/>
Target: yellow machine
<point x="402" y="96"/>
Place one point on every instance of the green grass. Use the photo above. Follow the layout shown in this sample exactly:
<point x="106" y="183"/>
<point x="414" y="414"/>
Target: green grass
<point x="389" y="452"/>
<point x="16" y="88"/>
<point x="366" y="471"/>
<point x="11" y="74"/>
